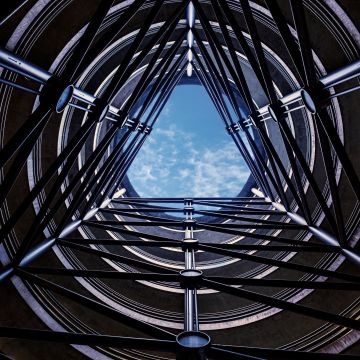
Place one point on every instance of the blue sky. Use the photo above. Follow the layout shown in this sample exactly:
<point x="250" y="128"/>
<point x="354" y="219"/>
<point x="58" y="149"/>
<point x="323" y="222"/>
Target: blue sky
<point x="188" y="153"/>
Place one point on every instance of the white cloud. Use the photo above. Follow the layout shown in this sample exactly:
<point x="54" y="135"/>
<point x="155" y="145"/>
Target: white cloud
<point x="163" y="169"/>
<point x="184" y="173"/>
<point x="166" y="111"/>
<point x="166" y="132"/>
<point x="144" y="173"/>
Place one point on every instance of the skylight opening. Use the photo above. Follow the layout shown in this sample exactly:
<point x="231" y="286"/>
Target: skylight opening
<point x="189" y="152"/>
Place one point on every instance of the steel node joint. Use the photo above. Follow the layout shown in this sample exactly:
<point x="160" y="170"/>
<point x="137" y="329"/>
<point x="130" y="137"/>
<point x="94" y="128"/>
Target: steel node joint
<point x="189" y="244"/>
<point x="119" y="118"/>
<point x="309" y="100"/>
<point x="144" y="129"/>
<point x="254" y="120"/>
<point x="189" y="210"/>
<point x="101" y="110"/>
<point x="192" y="345"/>
<point x="189" y="223"/>
<point x="315" y="99"/>
<point x="233" y="128"/>
<point x="191" y="279"/>
<point x="276" y="111"/>
<point x="131" y="124"/>
<point x="57" y="94"/>
<point x="136" y="125"/>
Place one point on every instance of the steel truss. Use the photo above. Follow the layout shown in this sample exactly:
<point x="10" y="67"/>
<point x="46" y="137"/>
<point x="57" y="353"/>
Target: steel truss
<point x="198" y="48"/>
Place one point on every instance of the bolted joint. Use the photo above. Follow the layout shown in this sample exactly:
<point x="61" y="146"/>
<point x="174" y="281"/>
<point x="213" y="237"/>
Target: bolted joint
<point x="140" y="127"/>
<point x="188" y="201"/>
<point x="189" y="244"/>
<point x="190" y="279"/>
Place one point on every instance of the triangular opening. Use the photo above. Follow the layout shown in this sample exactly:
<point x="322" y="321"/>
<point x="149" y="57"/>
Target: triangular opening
<point x="189" y="152"/>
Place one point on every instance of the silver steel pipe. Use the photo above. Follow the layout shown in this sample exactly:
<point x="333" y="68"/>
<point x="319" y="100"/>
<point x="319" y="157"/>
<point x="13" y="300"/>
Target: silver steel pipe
<point x="191" y="321"/>
<point x="190" y="20"/>
<point x="17" y="63"/>
<point x="188" y="260"/>
<point x="341" y="75"/>
<point x="319" y="233"/>
<point x="189" y="306"/>
<point x="26" y="68"/>
<point x="196" y="315"/>
<point x="47" y="244"/>
<point x="333" y="78"/>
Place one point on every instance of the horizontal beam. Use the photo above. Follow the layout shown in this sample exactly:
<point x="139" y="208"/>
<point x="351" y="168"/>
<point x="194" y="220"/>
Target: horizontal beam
<point x="280" y="264"/>
<point x="180" y="199"/>
<point x="125" y="231"/>
<point x="301" y="247"/>
<point x="166" y="222"/>
<point x="115" y="257"/>
<point x="284" y="305"/>
<point x="253" y="235"/>
<point x="87" y="339"/>
<point x="102" y="274"/>
<point x="286" y="283"/>
<point x="120" y="242"/>
<point x="277" y="354"/>
<point x="95" y="305"/>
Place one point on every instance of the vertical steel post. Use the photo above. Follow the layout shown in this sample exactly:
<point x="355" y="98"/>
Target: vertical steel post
<point x="192" y="344"/>
<point x="191" y="322"/>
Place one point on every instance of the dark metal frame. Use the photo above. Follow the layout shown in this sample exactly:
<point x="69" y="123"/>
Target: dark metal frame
<point x="214" y="69"/>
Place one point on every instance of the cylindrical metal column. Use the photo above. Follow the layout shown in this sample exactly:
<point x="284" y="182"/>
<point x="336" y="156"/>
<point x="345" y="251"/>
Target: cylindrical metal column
<point x="190" y="301"/>
<point x="192" y="344"/>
